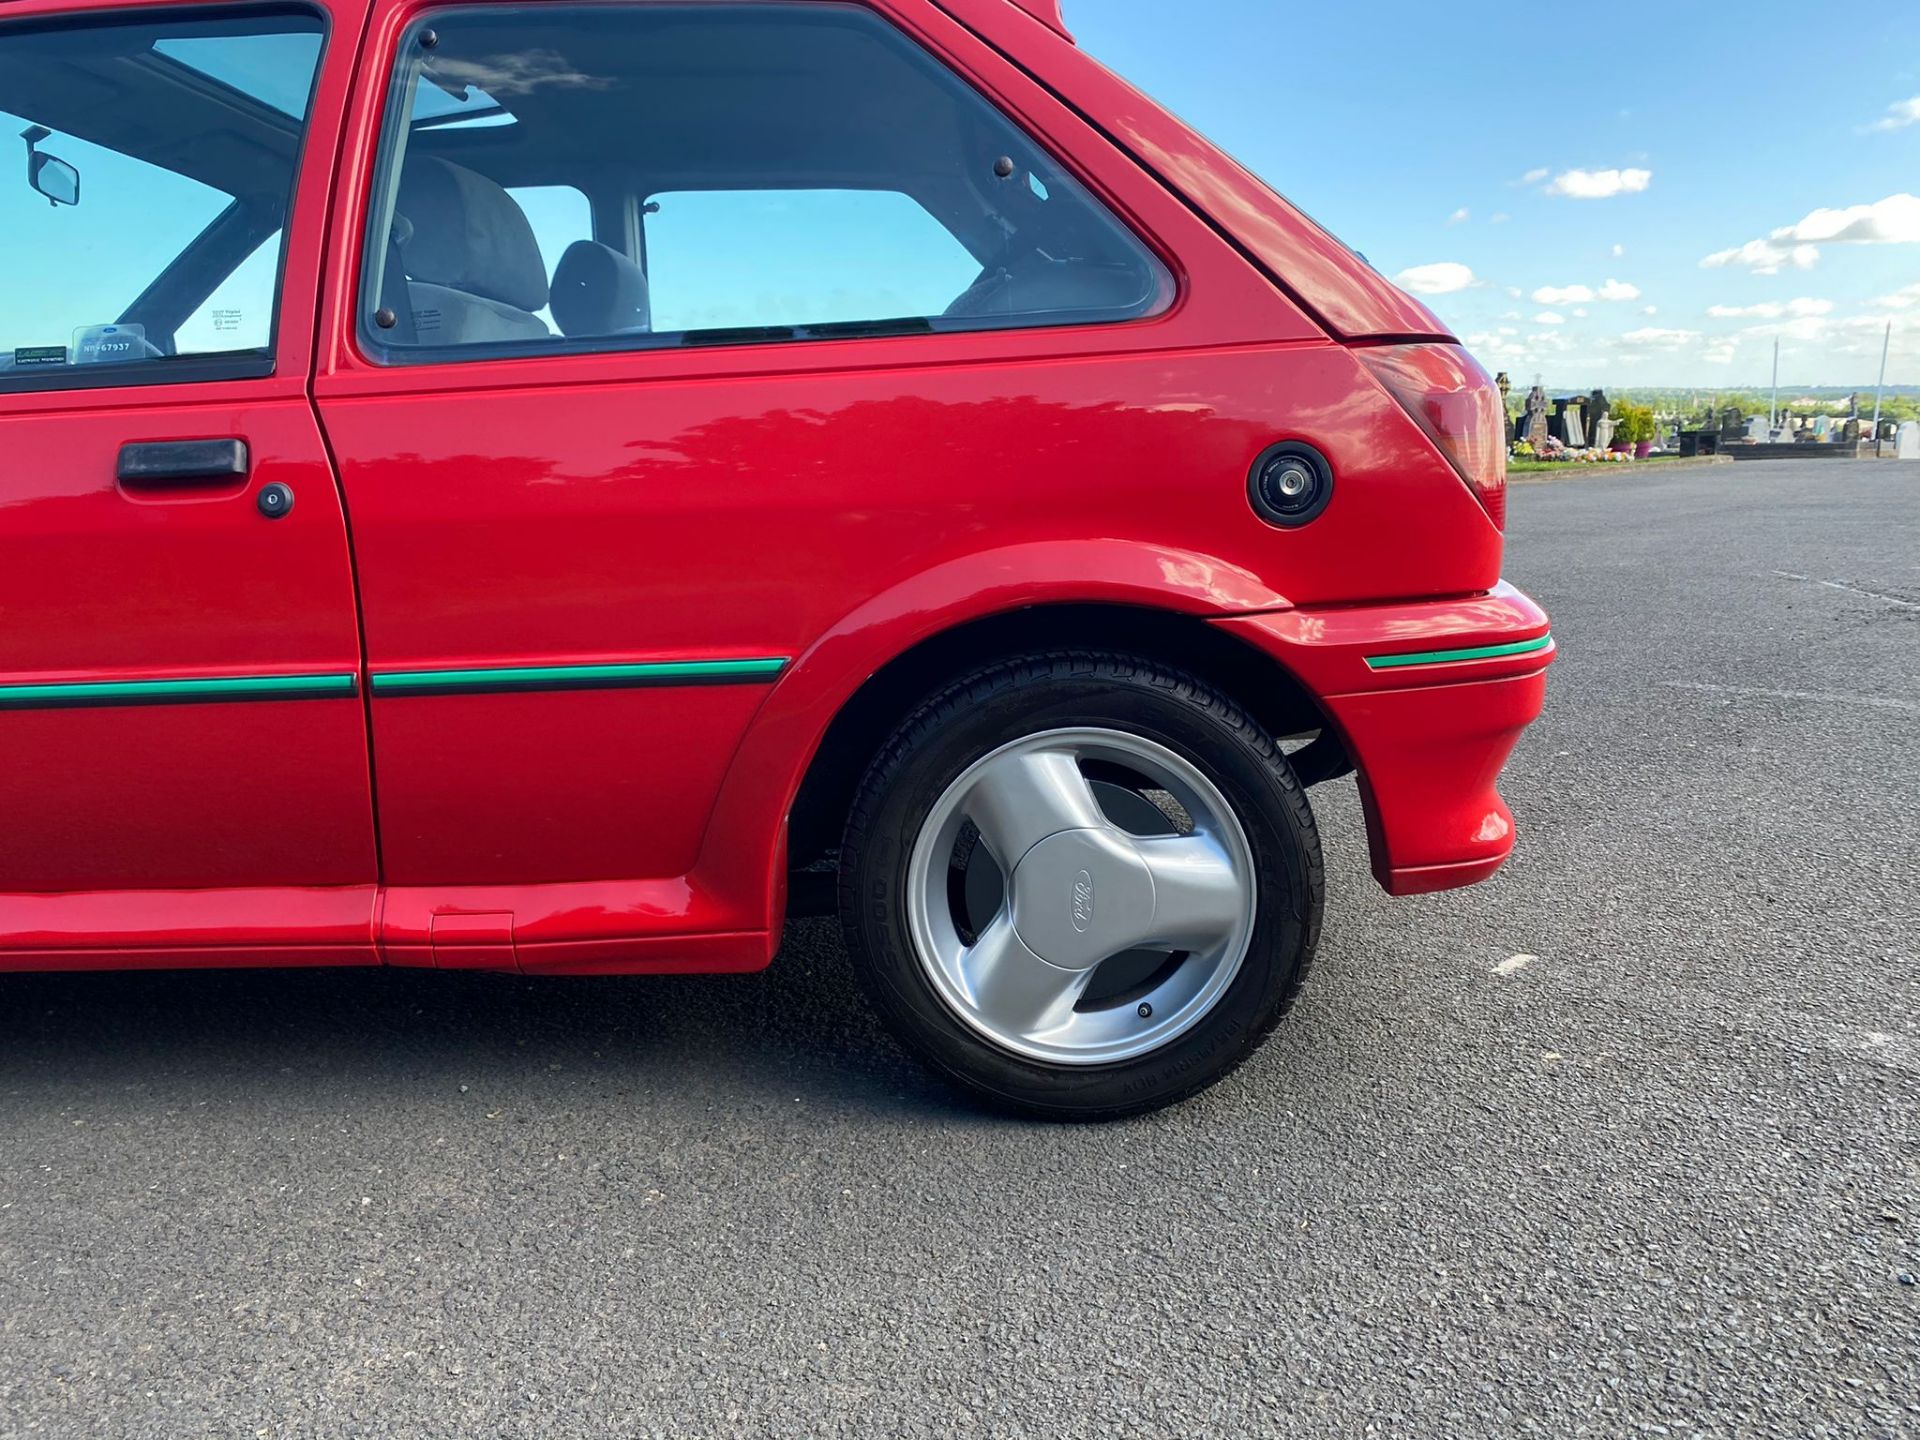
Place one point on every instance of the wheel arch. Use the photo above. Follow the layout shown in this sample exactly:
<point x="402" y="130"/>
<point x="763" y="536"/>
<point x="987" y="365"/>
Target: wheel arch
<point x="883" y="702"/>
<point x="851" y="687"/>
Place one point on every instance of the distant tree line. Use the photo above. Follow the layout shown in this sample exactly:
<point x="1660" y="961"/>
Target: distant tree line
<point x="1827" y="400"/>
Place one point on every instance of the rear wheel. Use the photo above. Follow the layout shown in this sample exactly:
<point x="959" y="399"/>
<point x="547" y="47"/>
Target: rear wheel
<point x="1081" y="886"/>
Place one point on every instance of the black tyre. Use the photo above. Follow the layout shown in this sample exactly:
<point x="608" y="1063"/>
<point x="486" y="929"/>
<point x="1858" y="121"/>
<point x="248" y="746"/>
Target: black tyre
<point x="1081" y="886"/>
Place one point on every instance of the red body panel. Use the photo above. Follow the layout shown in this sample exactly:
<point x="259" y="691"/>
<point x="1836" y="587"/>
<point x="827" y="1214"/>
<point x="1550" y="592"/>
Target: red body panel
<point x="830" y="504"/>
<point x="104" y="584"/>
<point x="130" y="929"/>
<point x="1429" y="740"/>
<point x="1047" y="12"/>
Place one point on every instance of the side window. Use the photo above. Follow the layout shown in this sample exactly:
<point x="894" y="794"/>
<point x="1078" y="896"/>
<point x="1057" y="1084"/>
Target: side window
<point x="743" y="258"/>
<point x="787" y="172"/>
<point x="146" y="229"/>
<point x="238" y="315"/>
<point x="559" y="215"/>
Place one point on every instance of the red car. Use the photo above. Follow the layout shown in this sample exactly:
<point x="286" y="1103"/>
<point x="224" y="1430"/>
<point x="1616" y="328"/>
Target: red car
<point x="557" y="488"/>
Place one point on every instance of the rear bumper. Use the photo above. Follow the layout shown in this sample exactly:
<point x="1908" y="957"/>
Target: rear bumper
<point x="1429" y="698"/>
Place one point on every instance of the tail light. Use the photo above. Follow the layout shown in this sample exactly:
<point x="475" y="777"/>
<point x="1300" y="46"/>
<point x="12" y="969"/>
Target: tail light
<point x="1450" y="397"/>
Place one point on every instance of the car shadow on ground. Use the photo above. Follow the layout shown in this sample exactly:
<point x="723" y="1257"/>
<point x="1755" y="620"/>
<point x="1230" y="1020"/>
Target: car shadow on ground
<point x="802" y="1027"/>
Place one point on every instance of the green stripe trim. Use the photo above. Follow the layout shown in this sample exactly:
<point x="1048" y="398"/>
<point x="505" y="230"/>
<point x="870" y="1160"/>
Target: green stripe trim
<point x="198" y="690"/>
<point x="1450" y="657"/>
<point x="577" y="677"/>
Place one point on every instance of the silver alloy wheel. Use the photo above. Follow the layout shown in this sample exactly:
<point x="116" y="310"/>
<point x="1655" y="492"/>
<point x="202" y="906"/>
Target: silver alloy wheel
<point x="1079" y="890"/>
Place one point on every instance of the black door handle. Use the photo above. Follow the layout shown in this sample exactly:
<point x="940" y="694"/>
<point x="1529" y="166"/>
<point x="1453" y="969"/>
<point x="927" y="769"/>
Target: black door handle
<point x="182" y="462"/>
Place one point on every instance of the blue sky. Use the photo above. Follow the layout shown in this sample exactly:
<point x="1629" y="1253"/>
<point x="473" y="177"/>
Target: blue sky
<point x="1410" y="129"/>
<point x="1638" y="193"/>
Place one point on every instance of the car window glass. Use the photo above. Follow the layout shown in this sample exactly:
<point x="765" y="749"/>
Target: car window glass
<point x="790" y="173"/>
<point x="275" y="68"/>
<point x="238" y="315"/>
<point x="174" y="143"/>
<point x="720" y="258"/>
<point x="559" y="215"/>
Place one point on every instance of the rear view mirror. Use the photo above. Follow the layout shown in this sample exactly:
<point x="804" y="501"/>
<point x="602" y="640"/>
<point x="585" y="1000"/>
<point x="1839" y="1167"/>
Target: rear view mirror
<point x="48" y="174"/>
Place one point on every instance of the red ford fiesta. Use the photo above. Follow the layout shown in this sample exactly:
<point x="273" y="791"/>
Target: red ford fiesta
<point x="559" y="486"/>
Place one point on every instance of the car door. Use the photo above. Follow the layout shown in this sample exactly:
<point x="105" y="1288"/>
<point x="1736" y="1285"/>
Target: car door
<point x="182" y="735"/>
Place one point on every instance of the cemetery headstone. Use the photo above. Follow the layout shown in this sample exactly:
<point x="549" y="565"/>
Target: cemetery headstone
<point x="1536" y="417"/>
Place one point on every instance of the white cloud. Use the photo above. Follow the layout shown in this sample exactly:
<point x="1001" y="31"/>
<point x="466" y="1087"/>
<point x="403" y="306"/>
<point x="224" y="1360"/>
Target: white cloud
<point x="1900" y="299"/>
<point x="1772" y="309"/>
<point x="1764" y="258"/>
<point x="1618" y="251"/>
<point x="1579" y="314"/>
<point x="1499" y="217"/>
<point x="1654" y="338"/>
<point x="1443" y="277"/>
<point x="1861" y="336"/>
<point x="1720" y="354"/>
<point x="1585" y="294"/>
<point x="1547" y="317"/>
<point x="1460" y="216"/>
<point x="1892" y="221"/>
<point x="1900" y="114"/>
<point x="1650" y="310"/>
<point x="1534" y="177"/>
<point x="1806" y="327"/>
<point x="1599" y="184"/>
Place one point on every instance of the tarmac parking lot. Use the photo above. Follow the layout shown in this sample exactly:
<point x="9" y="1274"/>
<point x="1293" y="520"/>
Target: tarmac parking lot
<point x="1624" y="1142"/>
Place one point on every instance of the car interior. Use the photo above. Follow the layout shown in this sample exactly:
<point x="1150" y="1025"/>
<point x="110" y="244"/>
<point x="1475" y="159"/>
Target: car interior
<point x="626" y="105"/>
<point x="127" y="89"/>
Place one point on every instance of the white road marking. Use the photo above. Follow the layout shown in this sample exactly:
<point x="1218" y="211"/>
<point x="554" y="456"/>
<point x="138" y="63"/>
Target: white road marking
<point x="1818" y="697"/>
<point x="1850" y="589"/>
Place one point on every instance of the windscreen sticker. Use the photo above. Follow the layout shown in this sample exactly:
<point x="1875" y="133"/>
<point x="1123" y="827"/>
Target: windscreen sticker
<point x="25" y="355"/>
<point x="102" y="344"/>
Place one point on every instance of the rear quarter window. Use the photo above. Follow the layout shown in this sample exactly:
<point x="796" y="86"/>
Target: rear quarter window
<point x="723" y="258"/>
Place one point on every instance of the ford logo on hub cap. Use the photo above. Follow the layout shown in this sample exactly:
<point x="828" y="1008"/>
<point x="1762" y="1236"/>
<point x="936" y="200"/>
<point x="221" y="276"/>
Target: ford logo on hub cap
<point x="1082" y="902"/>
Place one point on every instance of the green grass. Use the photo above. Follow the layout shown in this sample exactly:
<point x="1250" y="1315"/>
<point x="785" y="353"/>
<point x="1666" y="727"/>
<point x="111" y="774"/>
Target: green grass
<point x="1542" y="467"/>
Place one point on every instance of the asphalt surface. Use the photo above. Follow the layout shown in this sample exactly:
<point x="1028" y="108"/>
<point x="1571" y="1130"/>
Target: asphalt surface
<point x="1663" y="1178"/>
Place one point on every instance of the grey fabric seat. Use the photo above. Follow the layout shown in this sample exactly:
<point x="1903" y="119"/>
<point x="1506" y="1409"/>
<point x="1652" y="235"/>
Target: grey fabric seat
<point x="474" y="272"/>
<point x="1039" y="286"/>
<point x="599" y="291"/>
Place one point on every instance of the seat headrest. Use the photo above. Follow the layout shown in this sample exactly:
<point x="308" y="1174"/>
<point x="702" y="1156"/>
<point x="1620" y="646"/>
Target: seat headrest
<point x="599" y="291"/>
<point x="468" y="234"/>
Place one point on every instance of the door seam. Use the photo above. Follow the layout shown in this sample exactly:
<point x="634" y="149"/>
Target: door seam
<point x="323" y="291"/>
